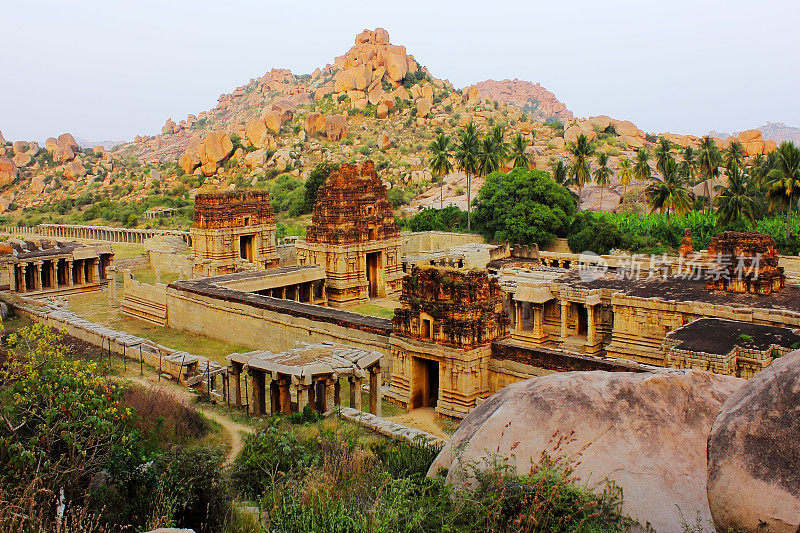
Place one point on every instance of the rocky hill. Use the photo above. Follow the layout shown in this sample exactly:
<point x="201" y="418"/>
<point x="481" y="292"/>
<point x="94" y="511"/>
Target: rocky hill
<point x="374" y="102"/>
<point x="531" y="98"/>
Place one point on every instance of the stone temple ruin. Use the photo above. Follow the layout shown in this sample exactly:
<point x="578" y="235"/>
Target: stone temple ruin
<point x="745" y="262"/>
<point x="46" y="267"/>
<point x="353" y="235"/>
<point x="233" y="231"/>
<point x="442" y="335"/>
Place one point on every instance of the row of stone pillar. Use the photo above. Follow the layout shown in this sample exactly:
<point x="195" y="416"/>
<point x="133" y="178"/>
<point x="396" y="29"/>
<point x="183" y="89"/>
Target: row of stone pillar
<point x="100" y="233"/>
<point x="300" y="292"/>
<point x="49" y="274"/>
<point x="271" y="396"/>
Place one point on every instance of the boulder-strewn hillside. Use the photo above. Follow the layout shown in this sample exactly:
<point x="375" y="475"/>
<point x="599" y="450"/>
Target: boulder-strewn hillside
<point x="775" y="131"/>
<point x="530" y="97"/>
<point x="376" y="102"/>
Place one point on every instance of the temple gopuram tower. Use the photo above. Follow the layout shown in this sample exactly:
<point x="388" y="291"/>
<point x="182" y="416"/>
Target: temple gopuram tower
<point x="353" y="235"/>
<point x="233" y="231"/>
<point x="442" y="339"/>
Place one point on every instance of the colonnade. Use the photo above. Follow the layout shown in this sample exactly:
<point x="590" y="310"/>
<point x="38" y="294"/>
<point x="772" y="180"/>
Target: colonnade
<point x="99" y="233"/>
<point x="57" y="273"/>
<point x="312" y="292"/>
<point x="272" y="393"/>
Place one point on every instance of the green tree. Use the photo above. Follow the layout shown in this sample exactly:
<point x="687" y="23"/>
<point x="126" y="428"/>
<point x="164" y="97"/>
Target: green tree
<point x="662" y="153"/>
<point x="521" y="158"/>
<point x="688" y="165"/>
<point x="560" y="172"/>
<point x="489" y="158"/>
<point x="602" y="174"/>
<point x="708" y="161"/>
<point x="523" y="207"/>
<point x="641" y="169"/>
<point x="441" y="150"/>
<point x="315" y="180"/>
<point x="784" y="179"/>
<point x="668" y="193"/>
<point x="580" y="172"/>
<point x="466" y="156"/>
<point x="733" y="155"/>
<point x="501" y="146"/>
<point x="733" y="201"/>
<point x="625" y="173"/>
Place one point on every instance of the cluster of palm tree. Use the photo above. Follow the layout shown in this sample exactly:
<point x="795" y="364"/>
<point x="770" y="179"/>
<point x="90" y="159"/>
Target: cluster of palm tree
<point x="475" y="156"/>
<point x="769" y="182"/>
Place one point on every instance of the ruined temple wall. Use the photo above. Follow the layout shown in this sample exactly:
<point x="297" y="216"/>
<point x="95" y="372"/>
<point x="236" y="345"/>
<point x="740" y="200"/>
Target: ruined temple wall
<point x="416" y="243"/>
<point x="640" y="324"/>
<point x="260" y="328"/>
<point x="171" y="262"/>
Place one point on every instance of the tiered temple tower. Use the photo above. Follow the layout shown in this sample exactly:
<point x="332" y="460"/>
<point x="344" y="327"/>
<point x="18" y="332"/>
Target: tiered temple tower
<point x="353" y="235"/>
<point x="233" y="231"/>
<point x="744" y="262"/>
<point x="441" y="341"/>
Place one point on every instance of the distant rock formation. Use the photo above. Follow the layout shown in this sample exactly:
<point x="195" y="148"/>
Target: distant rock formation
<point x="528" y="96"/>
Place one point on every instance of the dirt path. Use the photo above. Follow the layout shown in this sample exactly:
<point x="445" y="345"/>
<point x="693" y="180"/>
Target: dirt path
<point x="422" y="418"/>
<point x="187" y="398"/>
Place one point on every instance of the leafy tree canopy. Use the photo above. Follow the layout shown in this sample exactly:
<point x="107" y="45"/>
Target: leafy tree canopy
<point x="523" y="207"/>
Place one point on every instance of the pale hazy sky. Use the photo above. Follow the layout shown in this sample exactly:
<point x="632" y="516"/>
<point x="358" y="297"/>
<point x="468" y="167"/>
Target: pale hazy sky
<point x="113" y="69"/>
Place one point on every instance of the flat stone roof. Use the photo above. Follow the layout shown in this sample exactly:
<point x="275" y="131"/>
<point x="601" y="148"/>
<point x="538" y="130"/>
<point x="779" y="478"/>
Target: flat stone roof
<point x="720" y="336"/>
<point x="309" y="360"/>
<point x="687" y="290"/>
<point x="210" y="287"/>
<point x="43" y="248"/>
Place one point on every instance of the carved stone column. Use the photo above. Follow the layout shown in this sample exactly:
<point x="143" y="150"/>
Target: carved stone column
<point x="375" y="394"/>
<point x="564" y="310"/>
<point x="355" y="392"/>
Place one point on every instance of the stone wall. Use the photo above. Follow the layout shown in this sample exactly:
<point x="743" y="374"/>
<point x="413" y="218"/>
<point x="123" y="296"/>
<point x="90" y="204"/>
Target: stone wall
<point x="144" y="301"/>
<point x="416" y="243"/>
<point x="264" y="328"/>
<point x="172" y="262"/>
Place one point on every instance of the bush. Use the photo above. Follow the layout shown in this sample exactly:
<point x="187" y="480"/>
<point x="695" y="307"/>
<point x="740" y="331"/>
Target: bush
<point x="450" y="219"/>
<point x="162" y="419"/>
<point x="523" y="207"/>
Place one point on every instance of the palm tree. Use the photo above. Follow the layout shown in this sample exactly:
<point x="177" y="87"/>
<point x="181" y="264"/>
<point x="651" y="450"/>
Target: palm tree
<point x="441" y="151"/>
<point x="502" y="148"/>
<point x="560" y="172"/>
<point x="602" y="174"/>
<point x="580" y="173"/>
<point x="688" y="165"/>
<point x="466" y="157"/>
<point x="734" y="202"/>
<point x="709" y="161"/>
<point x="669" y="192"/>
<point x="625" y="173"/>
<point x="663" y="152"/>
<point x="489" y="156"/>
<point x="733" y="155"/>
<point x="641" y="169"/>
<point x="518" y="153"/>
<point x="784" y="178"/>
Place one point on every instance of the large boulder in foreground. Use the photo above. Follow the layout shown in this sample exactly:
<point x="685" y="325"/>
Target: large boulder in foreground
<point x="647" y="432"/>
<point x="754" y="453"/>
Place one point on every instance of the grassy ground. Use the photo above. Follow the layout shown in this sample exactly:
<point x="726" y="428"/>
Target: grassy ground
<point x="148" y="275"/>
<point x="94" y="307"/>
<point x="373" y="310"/>
<point x="123" y="251"/>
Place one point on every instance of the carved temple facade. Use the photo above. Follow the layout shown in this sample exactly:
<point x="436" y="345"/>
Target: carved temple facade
<point x="353" y="235"/>
<point x="233" y="231"/>
<point x="442" y="337"/>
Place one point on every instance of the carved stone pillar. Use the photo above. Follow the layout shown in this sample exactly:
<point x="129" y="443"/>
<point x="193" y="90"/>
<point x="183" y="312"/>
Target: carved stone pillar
<point x="564" y="311"/>
<point x="355" y="392"/>
<point x="302" y="396"/>
<point x="337" y="392"/>
<point x="330" y="400"/>
<point x="538" y="320"/>
<point x="375" y="394"/>
<point x="286" y="395"/>
<point x="591" y="326"/>
<point x="37" y="280"/>
<point x="518" y="316"/>
<point x="70" y="281"/>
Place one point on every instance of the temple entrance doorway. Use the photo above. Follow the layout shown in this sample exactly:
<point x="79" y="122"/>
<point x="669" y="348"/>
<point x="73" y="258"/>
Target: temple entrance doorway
<point x="246" y="247"/>
<point x="373" y="273"/>
<point x="583" y="319"/>
<point x="425" y="383"/>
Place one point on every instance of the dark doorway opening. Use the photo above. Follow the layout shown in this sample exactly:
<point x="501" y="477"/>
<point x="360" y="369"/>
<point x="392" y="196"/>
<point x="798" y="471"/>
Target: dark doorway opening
<point x="583" y="319"/>
<point x="426" y="383"/>
<point x="246" y="247"/>
<point x="373" y="267"/>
